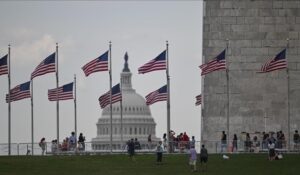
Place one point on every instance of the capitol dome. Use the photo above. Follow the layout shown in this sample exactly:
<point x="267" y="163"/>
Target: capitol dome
<point x="134" y="121"/>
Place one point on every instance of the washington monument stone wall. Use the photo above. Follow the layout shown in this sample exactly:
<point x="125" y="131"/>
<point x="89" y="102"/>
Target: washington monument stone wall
<point x="256" y="31"/>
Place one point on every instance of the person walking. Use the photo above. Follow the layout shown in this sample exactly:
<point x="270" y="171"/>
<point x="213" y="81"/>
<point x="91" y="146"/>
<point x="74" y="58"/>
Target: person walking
<point x="193" y="159"/>
<point x="203" y="157"/>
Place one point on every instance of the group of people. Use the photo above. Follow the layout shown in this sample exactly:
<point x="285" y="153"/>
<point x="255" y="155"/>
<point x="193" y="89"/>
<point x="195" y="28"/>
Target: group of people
<point x="134" y="143"/>
<point x="279" y="140"/>
<point x="69" y="144"/>
<point x="160" y="148"/>
<point x="258" y="142"/>
<point x="193" y="158"/>
<point x="181" y="142"/>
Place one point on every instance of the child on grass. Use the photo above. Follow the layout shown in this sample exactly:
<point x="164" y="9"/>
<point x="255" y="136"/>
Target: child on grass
<point x="193" y="158"/>
<point x="159" y="152"/>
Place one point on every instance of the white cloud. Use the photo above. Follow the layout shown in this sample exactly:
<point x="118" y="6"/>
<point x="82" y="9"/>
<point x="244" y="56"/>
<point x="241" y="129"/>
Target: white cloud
<point x="32" y="52"/>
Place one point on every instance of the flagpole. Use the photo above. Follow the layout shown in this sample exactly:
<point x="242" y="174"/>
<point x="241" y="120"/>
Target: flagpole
<point x="57" y="101"/>
<point x="110" y="98"/>
<point x="202" y="107"/>
<point x="201" y="125"/>
<point x="168" y="101"/>
<point x="121" y="114"/>
<point x="9" y="104"/>
<point x="227" y="79"/>
<point x="121" y="106"/>
<point x="75" y="108"/>
<point x="288" y="97"/>
<point x="32" y="121"/>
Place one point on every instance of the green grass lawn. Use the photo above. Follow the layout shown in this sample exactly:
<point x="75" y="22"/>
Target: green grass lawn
<point x="242" y="164"/>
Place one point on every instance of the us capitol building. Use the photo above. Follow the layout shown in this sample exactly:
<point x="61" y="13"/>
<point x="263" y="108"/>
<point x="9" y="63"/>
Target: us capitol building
<point x="137" y="121"/>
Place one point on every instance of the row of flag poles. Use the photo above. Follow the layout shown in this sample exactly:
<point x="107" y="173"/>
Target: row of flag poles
<point x="65" y="92"/>
<point x="25" y="90"/>
<point x="161" y="62"/>
<point x="104" y="63"/>
<point x="273" y="64"/>
<point x="114" y="94"/>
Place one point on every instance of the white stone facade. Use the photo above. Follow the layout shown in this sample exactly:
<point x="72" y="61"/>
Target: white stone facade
<point x="257" y="30"/>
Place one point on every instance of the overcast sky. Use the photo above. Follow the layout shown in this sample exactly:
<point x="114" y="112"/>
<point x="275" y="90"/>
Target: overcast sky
<point x="83" y="30"/>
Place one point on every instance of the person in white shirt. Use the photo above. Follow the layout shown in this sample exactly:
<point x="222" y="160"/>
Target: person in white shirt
<point x="271" y="147"/>
<point x="72" y="141"/>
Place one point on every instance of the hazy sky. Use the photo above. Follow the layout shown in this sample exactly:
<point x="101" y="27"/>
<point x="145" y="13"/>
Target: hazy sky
<point x="83" y="30"/>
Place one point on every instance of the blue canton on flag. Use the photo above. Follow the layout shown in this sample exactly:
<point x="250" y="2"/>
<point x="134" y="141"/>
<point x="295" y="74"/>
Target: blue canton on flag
<point x="3" y="65"/>
<point x="97" y="65"/>
<point x="46" y="66"/>
<point x="158" y="63"/>
<point x="19" y="92"/>
<point x="104" y="100"/>
<point x="159" y="95"/>
<point x="218" y="63"/>
<point x="61" y="93"/>
<point x="279" y="62"/>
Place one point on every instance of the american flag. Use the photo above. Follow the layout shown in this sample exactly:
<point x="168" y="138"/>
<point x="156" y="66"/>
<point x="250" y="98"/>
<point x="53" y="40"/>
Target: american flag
<point x="217" y="63"/>
<point x="104" y="100"/>
<point x="61" y="93"/>
<point x="198" y="100"/>
<point x="3" y="65"/>
<point x="158" y="63"/>
<point x="97" y="65"/>
<point x="159" y="95"/>
<point x="19" y="92"/>
<point x="279" y="62"/>
<point x="46" y="66"/>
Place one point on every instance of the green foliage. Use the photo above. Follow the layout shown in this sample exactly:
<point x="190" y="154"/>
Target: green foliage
<point x="242" y="164"/>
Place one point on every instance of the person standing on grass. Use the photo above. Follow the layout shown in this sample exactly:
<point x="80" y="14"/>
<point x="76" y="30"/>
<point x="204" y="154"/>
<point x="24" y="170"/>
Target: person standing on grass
<point x="193" y="142"/>
<point x="72" y="141"/>
<point x="271" y="147"/>
<point x="159" y="152"/>
<point x="81" y="143"/>
<point x="296" y="140"/>
<point x="149" y="142"/>
<point x="234" y="143"/>
<point x="165" y="141"/>
<point x="203" y="157"/>
<point x="131" y="149"/>
<point x="193" y="159"/>
<point x="42" y="144"/>
<point x="223" y="142"/>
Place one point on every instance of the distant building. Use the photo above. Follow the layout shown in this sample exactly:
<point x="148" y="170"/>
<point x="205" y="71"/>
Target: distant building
<point x="137" y="120"/>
